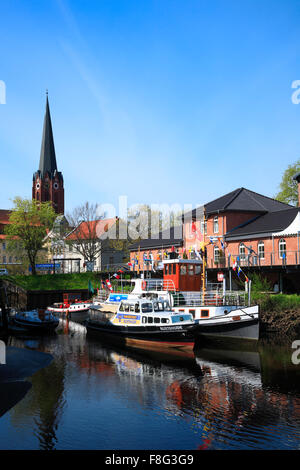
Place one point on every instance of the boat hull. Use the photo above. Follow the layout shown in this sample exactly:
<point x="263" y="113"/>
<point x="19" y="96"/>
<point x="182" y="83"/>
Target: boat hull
<point x="180" y="338"/>
<point x="226" y="321"/>
<point x="42" y="327"/>
<point x="243" y="329"/>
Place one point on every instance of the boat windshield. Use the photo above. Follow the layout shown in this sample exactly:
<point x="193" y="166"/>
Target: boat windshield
<point x="147" y="307"/>
<point x="129" y="307"/>
<point x="161" y="306"/>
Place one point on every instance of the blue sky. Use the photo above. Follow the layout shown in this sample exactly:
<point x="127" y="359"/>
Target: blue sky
<point x="162" y="101"/>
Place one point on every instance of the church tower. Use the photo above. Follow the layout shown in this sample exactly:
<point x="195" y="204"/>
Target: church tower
<point x="48" y="183"/>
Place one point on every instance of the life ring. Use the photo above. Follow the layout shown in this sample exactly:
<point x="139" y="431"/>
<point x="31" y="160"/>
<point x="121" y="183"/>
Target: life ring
<point x="143" y="285"/>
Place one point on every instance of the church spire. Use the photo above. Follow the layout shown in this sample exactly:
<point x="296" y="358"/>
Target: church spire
<point x="47" y="156"/>
<point x="48" y="183"/>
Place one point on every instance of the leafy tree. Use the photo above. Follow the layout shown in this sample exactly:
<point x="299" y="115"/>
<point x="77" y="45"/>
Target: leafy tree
<point x="28" y="225"/>
<point x="289" y="187"/>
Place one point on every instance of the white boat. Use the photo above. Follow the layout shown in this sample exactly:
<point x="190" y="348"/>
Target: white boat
<point x="217" y="312"/>
<point x="142" y="323"/>
<point x="76" y="311"/>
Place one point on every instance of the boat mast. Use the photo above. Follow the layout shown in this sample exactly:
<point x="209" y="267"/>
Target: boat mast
<point x="204" y="257"/>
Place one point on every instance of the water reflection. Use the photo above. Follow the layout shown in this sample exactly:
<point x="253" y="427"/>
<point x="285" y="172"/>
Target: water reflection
<point x="94" y="396"/>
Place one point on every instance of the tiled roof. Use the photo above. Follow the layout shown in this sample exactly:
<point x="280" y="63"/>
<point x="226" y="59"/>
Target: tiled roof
<point x="87" y="229"/>
<point x="241" y="200"/>
<point x="266" y="223"/>
<point x="164" y="239"/>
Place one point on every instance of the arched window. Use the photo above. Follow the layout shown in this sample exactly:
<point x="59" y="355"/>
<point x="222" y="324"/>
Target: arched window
<point x="261" y="250"/>
<point x="282" y="248"/>
<point x="242" y="252"/>
<point x="216" y="224"/>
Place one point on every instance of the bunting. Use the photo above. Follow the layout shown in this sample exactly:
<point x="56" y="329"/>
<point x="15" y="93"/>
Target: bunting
<point x="235" y="266"/>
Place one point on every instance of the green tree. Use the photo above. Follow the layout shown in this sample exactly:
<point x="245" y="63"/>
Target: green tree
<point x="289" y="187"/>
<point x="28" y="225"/>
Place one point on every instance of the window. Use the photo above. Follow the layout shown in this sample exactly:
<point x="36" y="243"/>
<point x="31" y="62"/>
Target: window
<point x="282" y="248"/>
<point x="203" y="226"/>
<point x="204" y="313"/>
<point x="4" y="259"/>
<point x="174" y="269"/>
<point x="216" y="224"/>
<point x="156" y="320"/>
<point x="261" y="250"/>
<point x="137" y="308"/>
<point x="165" y="320"/>
<point x="191" y="270"/>
<point x="216" y="254"/>
<point x="242" y="251"/>
<point x="3" y="246"/>
<point x="150" y="319"/>
<point x="193" y="312"/>
<point x="183" y="269"/>
<point x="146" y="307"/>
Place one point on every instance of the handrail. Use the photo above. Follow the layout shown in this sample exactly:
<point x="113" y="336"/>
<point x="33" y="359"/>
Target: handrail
<point x="268" y="258"/>
<point x="212" y="298"/>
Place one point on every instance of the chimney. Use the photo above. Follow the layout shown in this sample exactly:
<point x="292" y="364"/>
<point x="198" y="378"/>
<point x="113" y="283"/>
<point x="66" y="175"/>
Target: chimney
<point x="296" y="177"/>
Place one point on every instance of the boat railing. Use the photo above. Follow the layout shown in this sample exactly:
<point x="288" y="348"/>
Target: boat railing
<point x="158" y="285"/>
<point x="211" y="298"/>
<point x="101" y="296"/>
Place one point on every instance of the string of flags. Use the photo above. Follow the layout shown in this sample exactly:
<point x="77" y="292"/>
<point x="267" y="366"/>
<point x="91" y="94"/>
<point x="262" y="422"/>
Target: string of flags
<point x="213" y="240"/>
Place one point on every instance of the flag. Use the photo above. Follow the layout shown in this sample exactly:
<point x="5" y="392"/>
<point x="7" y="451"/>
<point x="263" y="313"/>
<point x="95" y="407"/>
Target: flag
<point x="222" y="245"/>
<point x="103" y="286"/>
<point x="195" y="232"/>
<point x="109" y="285"/>
<point x="234" y="266"/>
<point x="129" y="264"/>
<point x="90" y="287"/>
<point x="116" y="276"/>
<point x="239" y="271"/>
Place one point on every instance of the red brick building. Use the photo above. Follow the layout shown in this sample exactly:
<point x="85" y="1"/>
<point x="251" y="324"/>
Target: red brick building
<point x="255" y="232"/>
<point x="149" y="253"/>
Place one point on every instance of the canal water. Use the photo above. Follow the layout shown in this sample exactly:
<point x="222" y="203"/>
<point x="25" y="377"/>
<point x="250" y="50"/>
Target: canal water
<point x="95" y="396"/>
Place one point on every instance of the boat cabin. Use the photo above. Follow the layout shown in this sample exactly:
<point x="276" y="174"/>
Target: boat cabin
<point x="139" y="312"/>
<point x="185" y="274"/>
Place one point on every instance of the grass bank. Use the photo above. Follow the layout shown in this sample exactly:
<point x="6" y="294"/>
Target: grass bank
<point x="56" y="281"/>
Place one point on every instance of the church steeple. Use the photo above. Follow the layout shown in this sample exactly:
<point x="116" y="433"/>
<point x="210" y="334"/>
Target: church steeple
<point x="48" y="183"/>
<point x="47" y="156"/>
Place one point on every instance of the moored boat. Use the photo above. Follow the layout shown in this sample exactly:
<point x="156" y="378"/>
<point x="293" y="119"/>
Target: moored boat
<point x="77" y="311"/>
<point x="40" y="321"/>
<point x="142" y="323"/>
<point x="217" y="312"/>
